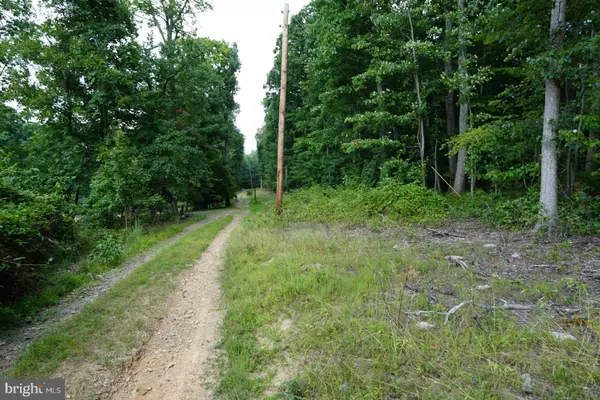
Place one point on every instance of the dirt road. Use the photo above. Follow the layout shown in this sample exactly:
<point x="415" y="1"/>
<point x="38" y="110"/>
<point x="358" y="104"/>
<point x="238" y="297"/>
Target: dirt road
<point x="178" y="362"/>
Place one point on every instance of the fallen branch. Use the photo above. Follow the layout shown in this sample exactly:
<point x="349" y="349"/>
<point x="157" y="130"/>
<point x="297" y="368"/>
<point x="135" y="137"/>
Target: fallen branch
<point x="509" y="306"/>
<point x="423" y="312"/>
<point x="454" y="309"/>
<point x="459" y="261"/>
<point x="439" y="233"/>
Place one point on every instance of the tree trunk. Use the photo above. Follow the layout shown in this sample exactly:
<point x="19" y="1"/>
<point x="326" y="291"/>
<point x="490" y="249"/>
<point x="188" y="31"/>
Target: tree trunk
<point x="549" y="185"/>
<point x="436" y="183"/>
<point x="460" y="179"/>
<point x="379" y="92"/>
<point x="421" y="128"/>
<point x="450" y="119"/>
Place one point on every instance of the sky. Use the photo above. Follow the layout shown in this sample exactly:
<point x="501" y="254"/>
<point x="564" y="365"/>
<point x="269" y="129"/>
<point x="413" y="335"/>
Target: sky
<point x="255" y="26"/>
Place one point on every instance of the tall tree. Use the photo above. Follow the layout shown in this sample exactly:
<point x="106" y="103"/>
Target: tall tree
<point x="549" y="185"/>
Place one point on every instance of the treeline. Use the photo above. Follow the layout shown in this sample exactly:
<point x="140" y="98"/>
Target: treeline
<point x="444" y="93"/>
<point x="99" y="127"/>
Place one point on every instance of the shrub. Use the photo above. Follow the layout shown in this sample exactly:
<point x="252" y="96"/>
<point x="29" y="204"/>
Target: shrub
<point x="388" y="202"/>
<point x="35" y="230"/>
<point x="108" y="250"/>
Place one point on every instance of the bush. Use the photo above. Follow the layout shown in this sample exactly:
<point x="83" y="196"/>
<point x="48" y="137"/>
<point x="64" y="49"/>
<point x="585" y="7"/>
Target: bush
<point x="108" y="250"/>
<point x="388" y="202"/>
<point x="35" y="230"/>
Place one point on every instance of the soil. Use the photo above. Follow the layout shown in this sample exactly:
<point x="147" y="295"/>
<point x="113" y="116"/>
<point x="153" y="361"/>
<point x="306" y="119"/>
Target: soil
<point x="179" y="360"/>
<point x="14" y="342"/>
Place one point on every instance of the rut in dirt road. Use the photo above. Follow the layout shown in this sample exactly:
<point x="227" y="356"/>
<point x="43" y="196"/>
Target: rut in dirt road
<point x="178" y="361"/>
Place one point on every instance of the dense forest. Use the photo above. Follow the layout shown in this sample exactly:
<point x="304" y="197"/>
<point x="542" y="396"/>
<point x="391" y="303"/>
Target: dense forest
<point x="101" y="127"/>
<point x="499" y="98"/>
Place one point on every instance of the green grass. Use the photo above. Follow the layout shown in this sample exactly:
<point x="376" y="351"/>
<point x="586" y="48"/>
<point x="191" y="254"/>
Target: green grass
<point x="349" y="296"/>
<point x="107" y="330"/>
<point x="59" y="282"/>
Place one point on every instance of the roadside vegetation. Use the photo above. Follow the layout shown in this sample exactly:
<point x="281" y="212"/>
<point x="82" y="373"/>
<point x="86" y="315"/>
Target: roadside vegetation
<point x="112" y="247"/>
<point x="108" y="332"/>
<point x="324" y="305"/>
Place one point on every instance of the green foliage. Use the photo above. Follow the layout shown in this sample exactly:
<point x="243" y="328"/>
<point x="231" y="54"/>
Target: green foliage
<point x="108" y="250"/>
<point x="400" y="170"/>
<point x="120" y="185"/>
<point x="580" y="213"/>
<point x="388" y="203"/>
<point x="35" y="230"/>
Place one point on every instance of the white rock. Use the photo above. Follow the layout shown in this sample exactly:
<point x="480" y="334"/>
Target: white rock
<point x="563" y="336"/>
<point x="424" y="325"/>
<point x="454" y="258"/>
<point x="527" y="386"/>
<point x="483" y="287"/>
<point x="515" y="255"/>
<point x="489" y="246"/>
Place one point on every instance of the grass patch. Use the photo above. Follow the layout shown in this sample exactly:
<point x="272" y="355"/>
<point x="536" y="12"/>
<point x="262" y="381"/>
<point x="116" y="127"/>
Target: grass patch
<point x="333" y="310"/>
<point x="107" y="330"/>
<point x="58" y="282"/>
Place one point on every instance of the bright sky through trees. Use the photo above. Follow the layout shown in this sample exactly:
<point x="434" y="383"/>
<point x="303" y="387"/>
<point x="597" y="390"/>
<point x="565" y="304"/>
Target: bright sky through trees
<point x="254" y="26"/>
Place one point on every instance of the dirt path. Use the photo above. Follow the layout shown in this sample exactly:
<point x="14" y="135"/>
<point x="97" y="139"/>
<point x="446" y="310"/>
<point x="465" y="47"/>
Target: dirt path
<point x="178" y="363"/>
<point x="16" y="341"/>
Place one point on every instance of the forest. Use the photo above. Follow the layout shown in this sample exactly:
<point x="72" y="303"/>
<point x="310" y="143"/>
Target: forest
<point x="497" y="98"/>
<point x="440" y="230"/>
<point x="101" y="130"/>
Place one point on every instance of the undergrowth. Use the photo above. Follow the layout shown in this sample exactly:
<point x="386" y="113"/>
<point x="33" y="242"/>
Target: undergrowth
<point x="392" y="204"/>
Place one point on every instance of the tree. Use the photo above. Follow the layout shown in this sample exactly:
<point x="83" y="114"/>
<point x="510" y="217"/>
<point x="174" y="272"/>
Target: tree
<point x="549" y="186"/>
<point x="120" y="186"/>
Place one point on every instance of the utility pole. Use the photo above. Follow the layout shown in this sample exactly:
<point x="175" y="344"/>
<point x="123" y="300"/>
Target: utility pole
<point x="282" y="95"/>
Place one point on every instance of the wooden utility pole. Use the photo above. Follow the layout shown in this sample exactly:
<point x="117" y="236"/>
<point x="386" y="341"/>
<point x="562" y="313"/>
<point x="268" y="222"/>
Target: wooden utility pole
<point x="282" y="95"/>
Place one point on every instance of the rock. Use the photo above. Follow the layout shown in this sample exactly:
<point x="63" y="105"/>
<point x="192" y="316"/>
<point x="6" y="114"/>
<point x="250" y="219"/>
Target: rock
<point x="171" y="365"/>
<point x="306" y="267"/>
<point x="2" y="343"/>
<point x="527" y="385"/>
<point x="515" y="255"/>
<point x="483" y="287"/>
<point x="454" y="258"/>
<point x="145" y="391"/>
<point x="149" y="370"/>
<point x="563" y="336"/>
<point x="489" y="246"/>
<point x="396" y="246"/>
<point x="424" y="325"/>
